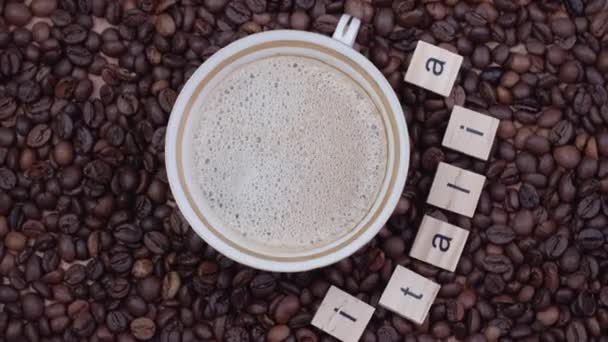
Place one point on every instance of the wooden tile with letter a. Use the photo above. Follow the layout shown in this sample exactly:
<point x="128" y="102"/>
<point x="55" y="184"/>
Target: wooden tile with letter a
<point x="456" y="189"/>
<point x="342" y="315"/>
<point x="433" y="68"/>
<point x="409" y="294"/>
<point x="439" y="243"/>
<point x="470" y="132"/>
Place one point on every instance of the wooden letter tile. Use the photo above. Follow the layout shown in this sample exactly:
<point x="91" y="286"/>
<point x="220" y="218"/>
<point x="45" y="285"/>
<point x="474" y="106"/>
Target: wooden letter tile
<point x="470" y="132"/>
<point x="433" y="68"/>
<point x="409" y="294"/>
<point x="342" y="315"/>
<point x="456" y="190"/>
<point x="439" y="243"/>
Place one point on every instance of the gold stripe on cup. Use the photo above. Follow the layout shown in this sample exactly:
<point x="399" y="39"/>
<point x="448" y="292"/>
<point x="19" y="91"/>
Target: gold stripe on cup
<point x="294" y="44"/>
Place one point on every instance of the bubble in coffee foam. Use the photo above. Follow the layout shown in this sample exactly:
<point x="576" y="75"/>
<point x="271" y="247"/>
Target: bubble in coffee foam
<point x="290" y="152"/>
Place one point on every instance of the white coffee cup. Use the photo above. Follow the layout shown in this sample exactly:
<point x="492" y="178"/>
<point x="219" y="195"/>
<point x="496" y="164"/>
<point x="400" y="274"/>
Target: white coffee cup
<point x="336" y="51"/>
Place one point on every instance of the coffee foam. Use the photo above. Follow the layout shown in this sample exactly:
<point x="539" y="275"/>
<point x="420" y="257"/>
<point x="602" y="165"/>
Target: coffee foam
<point x="289" y="152"/>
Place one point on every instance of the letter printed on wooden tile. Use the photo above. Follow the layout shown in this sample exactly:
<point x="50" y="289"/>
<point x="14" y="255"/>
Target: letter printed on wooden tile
<point x="409" y="294"/>
<point x="470" y="132"/>
<point x="439" y="243"/>
<point x="433" y="68"/>
<point x="342" y="315"/>
<point x="456" y="189"/>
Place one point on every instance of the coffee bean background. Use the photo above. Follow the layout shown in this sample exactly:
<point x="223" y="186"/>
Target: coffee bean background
<point x="93" y="248"/>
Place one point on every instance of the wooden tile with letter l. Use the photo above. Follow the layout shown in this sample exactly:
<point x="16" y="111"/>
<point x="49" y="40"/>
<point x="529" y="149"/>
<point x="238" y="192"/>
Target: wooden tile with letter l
<point x="456" y="189"/>
<point x="439" y="243"/>
<point x="433" y="68"/>
<point x="342" y="315"/>
<point x="470" y="132"/>
<point x="409" y="294"/>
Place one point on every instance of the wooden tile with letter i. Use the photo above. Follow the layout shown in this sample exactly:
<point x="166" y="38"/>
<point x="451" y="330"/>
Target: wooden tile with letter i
<point x="342" y="315"/>
<point x="470" y="132"/>
<point x="456" y="189"/>
<point x="409" y="294"/>
<point x="433" y="68"/>
<point x="439" y="243"/>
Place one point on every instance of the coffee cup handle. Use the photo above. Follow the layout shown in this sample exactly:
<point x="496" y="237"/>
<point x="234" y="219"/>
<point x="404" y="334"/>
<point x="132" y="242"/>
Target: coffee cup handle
<point x="347" y="29"/>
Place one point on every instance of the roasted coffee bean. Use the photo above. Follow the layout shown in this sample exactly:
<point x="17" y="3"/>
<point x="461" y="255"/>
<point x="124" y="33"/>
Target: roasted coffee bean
<point x="590" y="239"/>
<point x="567" y="156"/>
<point x="17" y="13"/>
<point x="75" y="274"/>
<point x="116" y="321"/>
<point x="500" y="235"/>
<point x="33" y="306"/>
<point x="562" y="133"/>
<point x="8" y="294"/>
<point x="8" y="179"/>
<point x="528" y="196"/>
<point x="39" y="135"/>
<point x="127" y="103"/>
<point x="237" y="12"/>
<point x="79" y="56"/>
<point x="496" y="263"/>
<point x="262" y="285"/>
<point x="143" y="328"/>
<point x="555" y="245"/>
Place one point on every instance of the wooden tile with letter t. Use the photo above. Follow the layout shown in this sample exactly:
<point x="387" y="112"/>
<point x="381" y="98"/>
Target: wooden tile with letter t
<point x="470" y="132"/>
<point x="433" y="68"/>
<point x="439" y="243"/>
<point x="409" y="294"/>
<point x="456" y="189"/>
<point x="342" y="315"/>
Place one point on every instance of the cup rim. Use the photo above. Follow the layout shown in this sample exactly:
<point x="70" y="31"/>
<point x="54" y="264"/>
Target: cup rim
<point x="171" y="140"/>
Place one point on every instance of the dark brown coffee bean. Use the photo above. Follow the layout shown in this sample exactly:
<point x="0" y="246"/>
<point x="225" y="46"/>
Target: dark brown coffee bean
<point x="165" y="25"/>
<point x="8" y="294"/>
<point x="384" y="21"/>
<point x="33" y="307"/>
<point x="599" y="25"/>
<point x="496" y="264"/>
<point x="149" y="288"/>
<point x="538" y="145"/>
<point x="74" y="34"/>
<point x="325" y="24"/>
<point x="156" y="242"/>
<point x="75" y="274"/>
<point x="523" y="222"/>
<point x="143" y="328"/>
<point x="7" y="106"/>
<point x="528" y="196"/>
<point x="43" y="8"/>
<point x="500" y="235"/>
<point x="116" y="321"/>
<point x="127" y="103"/>
<point x="237" y="12"/>
<point x="286" y="308"/>
<point x="166" y="99"/>
<point x="567" y="156"/>
<point x="443" y="31"/>
<point x="299" y="20"/>
<point x="134" y="17"/>
<point x="590" y="239"/>
<point x="575" y="332"/>
<point x="121" y="262"/>
<point x="588" y="207"/>
<point x="17" y="13"/>
<point x="8" y="179"/>
<point x="79" y="56"/>
<point x="256" y="6"/>
<point x="39" y="135"/>
<point x="262" y="285"/>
